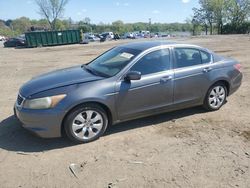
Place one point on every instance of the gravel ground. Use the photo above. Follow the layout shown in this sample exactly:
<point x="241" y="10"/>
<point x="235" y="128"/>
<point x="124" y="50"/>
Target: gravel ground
<point x="187" y="148"/>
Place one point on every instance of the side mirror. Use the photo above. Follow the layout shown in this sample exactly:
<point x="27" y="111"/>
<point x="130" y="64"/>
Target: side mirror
<point x="133" y="75"/>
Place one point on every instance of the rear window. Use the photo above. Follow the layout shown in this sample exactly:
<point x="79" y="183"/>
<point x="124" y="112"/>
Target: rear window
<point x="206" y="57"/>
<point x="216" y="57"/>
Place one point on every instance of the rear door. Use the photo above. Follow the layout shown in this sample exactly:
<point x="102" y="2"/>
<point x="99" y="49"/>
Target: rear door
<point x="191" y="70"/>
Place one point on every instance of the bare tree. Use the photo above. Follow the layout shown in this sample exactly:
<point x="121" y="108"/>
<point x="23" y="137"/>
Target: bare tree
<point x="51" y="10"/>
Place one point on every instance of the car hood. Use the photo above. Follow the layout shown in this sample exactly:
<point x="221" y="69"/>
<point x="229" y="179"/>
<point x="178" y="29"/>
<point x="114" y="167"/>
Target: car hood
<point x="56" y="79"/>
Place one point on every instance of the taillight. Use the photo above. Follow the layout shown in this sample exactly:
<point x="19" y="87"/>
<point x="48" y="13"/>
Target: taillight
<point x="238" y="67"/>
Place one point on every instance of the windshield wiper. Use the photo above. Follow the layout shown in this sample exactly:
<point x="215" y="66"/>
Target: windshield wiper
<point x="90" y="70"/>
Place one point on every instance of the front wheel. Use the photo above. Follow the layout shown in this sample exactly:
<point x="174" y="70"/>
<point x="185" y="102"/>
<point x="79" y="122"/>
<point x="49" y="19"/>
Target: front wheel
<point x="216" y="97"/>
<point x="86" y="123"/>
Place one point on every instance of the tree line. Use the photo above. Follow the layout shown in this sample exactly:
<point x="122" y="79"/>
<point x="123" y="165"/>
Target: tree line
<point x="21" y="25"/>
<point x="212" y="16"/>
<point x="222" y="16"/>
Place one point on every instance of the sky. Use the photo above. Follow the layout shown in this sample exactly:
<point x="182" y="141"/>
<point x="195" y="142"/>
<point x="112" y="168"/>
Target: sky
<point x="107" y="11"/>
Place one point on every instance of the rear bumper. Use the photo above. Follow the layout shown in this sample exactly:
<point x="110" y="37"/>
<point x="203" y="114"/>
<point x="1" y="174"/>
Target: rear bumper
<point x="43" y="123"/>
<point x="235" y="84"/>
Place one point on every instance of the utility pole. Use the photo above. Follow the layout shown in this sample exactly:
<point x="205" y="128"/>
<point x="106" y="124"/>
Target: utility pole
<point x="12" y="29"/>
<point x="149" y="24"/>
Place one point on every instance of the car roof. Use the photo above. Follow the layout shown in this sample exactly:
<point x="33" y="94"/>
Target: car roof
<point x="145" y="45"/>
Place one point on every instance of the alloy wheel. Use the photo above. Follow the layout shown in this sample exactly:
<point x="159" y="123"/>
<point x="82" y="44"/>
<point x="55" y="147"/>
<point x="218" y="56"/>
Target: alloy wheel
<point x="217" y="97"/>
<point x="87" y="124"/>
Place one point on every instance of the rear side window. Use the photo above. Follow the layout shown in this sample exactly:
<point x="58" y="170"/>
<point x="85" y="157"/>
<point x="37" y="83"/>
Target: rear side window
<point x="216" y="57"/>
<point x="186" y="57"/>
<point x="206" y="57"/>
<point x="153" y="62"/>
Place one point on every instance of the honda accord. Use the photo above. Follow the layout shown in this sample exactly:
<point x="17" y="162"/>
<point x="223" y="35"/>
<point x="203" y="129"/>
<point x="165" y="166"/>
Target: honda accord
<point x="127" y="82"/>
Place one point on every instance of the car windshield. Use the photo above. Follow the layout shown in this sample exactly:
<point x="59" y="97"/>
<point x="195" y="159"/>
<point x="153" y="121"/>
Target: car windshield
<point x="112" y="62"/>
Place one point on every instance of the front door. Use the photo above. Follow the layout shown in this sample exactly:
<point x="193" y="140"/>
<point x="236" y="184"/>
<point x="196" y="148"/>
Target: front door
<point x="153" y="91"/>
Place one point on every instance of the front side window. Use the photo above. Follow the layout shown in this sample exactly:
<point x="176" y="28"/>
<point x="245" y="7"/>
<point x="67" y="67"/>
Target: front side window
<point x="112" y="62"/>
<point x="186" y="57"/>
<point x="153" y="62"/>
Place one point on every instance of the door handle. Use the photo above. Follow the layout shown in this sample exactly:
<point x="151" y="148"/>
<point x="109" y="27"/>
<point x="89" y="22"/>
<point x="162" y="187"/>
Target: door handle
<point x="208" y="69"/>
<point x="166" y="79"/>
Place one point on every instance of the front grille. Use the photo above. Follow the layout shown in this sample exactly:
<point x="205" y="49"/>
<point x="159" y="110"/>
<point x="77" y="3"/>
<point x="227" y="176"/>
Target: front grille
<point x="20" y="99"/>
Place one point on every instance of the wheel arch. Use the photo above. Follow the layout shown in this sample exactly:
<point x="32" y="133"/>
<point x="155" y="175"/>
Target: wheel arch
<point x="105" y="108"/>
<point x="225" y="82"/>
<point x="205" y="100"/>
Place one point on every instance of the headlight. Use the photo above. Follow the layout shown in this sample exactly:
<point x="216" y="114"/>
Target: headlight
<point x="43" y="103"/>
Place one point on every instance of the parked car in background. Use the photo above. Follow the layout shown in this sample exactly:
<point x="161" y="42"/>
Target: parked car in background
<point x="21" y="36"/>
<point x="127" y="82"/>
<point x="93" y="38"/>
<point x="129" y="36"/>
<point x="85" y="39"/>
<point x="117" y="36"/>
<point x="2" y="38"/>
<point x="154" y="35"/>
<point x="108" y="35"/>
<point x="15" y="42"/>
<point x="102" y="39"/>
<point x="144" y="34"/>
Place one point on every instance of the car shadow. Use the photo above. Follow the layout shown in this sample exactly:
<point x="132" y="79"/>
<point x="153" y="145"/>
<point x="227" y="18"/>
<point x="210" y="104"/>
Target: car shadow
<point x="15" y="138"/>
<point x="21" y="47"/>
<point x="153" y="120"/>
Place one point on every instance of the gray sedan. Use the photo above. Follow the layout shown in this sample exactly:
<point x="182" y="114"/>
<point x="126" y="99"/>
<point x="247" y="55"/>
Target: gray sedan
<point x="127" y="82"/>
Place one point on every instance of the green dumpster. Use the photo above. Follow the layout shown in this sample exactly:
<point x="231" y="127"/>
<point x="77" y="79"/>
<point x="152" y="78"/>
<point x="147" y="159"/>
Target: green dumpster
<point x="52" y="38"/>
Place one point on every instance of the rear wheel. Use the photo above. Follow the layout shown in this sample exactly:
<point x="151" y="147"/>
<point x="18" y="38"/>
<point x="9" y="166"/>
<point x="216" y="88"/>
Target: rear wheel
<point x="86" y="123"/>
<point x="216" y="97"/>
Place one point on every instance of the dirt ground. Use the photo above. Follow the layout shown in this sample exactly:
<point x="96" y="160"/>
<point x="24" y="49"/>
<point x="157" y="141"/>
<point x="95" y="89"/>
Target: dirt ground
<point x="187" y="148"/>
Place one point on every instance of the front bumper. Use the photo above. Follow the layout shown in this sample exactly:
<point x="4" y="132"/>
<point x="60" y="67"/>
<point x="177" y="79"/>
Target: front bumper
<point x="43" y="123"/>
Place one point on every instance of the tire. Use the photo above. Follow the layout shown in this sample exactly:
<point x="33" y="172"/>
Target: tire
<point x="86" y="123"/>
<point x="215" y="97"/>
